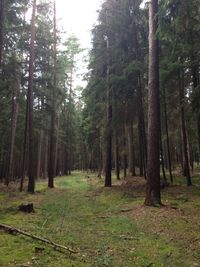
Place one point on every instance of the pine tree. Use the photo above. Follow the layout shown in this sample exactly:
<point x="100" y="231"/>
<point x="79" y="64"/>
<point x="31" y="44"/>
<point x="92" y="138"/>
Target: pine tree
<point x="31" y="173"/>
<point x="153" y="196"/>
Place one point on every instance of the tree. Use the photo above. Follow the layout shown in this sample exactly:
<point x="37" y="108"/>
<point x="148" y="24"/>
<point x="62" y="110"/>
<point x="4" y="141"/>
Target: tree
<point x="1" y="27"/>
<point x="31" y="173"/>
<point x="53" y="110"/>
<point x="108" y="145"/>
<point x="153" y="196"/>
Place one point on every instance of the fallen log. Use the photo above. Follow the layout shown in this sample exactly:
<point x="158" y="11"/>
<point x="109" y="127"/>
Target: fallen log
<point x="13" y="231"/>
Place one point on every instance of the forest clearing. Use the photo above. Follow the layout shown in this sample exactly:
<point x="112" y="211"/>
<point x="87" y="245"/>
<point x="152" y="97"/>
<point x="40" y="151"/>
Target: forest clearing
<point x="105" y="226"/>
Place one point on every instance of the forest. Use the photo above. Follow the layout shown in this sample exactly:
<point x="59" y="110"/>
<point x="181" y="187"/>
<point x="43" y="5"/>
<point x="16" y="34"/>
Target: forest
<point x="106" y="173"/>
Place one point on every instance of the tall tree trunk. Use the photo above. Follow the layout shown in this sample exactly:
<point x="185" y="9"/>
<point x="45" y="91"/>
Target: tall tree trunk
<point x="24" y="150"/>
<point x="180" y="160"/>
<point x="108" y="146"/>
<point x="162" y="158"/>
<point x="167" y="135"/>
<point x="184" y="134"/>
<point x="125" y="151"/>
<point x="40" y="139"/>
<point x="116" y="154"/>
<point x="195" y="77"/>
<point x="140" y="108"/>
<point x="195" y="84"/>
<point x="53" y="111"/>
<point x="45" y="159"/>
<point x="31" y="182"/>
<point x="153" y="196"/>
<point x="15" y="108"/>
<point x="131" y="150"/>
<point x="12" y="144"/>
<point x="141" y="123"/>
<point x="1" y="28"/>
<point x="140" y="148"/>
<point x="56" y="148"/>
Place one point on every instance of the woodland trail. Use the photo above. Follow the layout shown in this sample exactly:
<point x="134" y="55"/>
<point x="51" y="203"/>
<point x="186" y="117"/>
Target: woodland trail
<point x="109" y="227"/>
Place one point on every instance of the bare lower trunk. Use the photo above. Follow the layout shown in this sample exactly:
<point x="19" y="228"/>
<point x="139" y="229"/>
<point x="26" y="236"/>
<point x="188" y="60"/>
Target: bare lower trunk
<point x="31" y="174"/>
<point x="53" y="110"/>
<point x="131" y="151"/>
<point x="125" y="152"/>
<point x="167" y="135"/>
<point x="140" y="108"/>
<point x="116" y="150"/>
<point x="12" y="145"/>
<point x="40" y="139"/>
<point x="153" y="196"/>
<point x="162" y="158"/>
<point x="184" y="134"/>
<point x="24" y="150"/>
<point x="15" y="109"/>
<point x="45" y="159"/>
<point x="141" y="164"/>
<point x="108" y="155"/>
<point x="56" y="148"/>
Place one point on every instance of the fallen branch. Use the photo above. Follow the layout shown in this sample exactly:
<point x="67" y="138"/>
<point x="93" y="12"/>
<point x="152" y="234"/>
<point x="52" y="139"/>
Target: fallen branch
<point x="126" y="210"/>
<point x="12" y="230"/>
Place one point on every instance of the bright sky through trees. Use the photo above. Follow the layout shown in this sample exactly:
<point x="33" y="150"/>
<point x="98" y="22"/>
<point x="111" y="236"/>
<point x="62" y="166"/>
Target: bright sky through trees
<point x="78" y="16"/>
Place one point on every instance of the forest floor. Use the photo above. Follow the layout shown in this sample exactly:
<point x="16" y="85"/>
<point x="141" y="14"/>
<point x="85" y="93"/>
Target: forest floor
<point x="106" y="226"/>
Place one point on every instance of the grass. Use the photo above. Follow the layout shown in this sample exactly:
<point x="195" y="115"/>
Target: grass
<point x="108" y="226"/>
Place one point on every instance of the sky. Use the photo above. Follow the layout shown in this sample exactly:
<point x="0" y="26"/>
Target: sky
<point x="78" y="16"/>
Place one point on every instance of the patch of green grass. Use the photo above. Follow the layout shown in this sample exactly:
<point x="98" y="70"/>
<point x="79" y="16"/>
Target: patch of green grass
<point x="12" y="247"/>
<point x="83" y="215"/>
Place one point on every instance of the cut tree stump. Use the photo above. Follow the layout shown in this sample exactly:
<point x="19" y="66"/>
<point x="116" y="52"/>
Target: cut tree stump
<point x="28" y="208"/>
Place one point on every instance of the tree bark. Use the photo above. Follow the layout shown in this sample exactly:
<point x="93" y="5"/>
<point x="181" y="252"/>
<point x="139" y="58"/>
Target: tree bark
<point x="1" y="28"/>
<point x="45" y="159"/>
<point x="162" y="158"/>
<point x="140" y="108"/>
<point x="116" y="152"/>
<point x="131" y="151"/>
<point x="53" y="111"/>
<point x="141" y="161"/>
<point x="108" y="154"/>
<point x="31" y="174"/>
<point x="70" y="152"/>
<point x="15" y="109"/>
<point x="40" y="139"/>
<point x="167" y="135"/>
<point x="56" y="148"/>
<point x="141" y="123"/>
<point x="24" y="150"/>
<point x="153" y="196"/>
<point x="184" y="134"/>
<point x="125" y="151"/>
